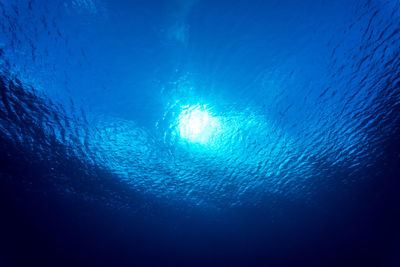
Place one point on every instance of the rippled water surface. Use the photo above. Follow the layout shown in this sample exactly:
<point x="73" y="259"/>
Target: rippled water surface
<point x="281" y="116"/>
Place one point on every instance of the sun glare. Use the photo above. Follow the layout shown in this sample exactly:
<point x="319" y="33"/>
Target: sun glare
<point x="197" y="125"/>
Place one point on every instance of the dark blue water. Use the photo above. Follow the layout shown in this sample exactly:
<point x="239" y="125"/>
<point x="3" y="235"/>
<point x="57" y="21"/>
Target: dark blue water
<point x="199" y="133"/>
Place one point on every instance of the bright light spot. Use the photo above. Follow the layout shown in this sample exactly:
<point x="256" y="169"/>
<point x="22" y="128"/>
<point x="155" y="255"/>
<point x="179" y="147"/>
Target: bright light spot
<point x="197" y="125"/>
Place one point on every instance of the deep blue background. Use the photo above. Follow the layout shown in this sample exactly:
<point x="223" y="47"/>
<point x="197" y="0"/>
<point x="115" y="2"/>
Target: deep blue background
<point x="303" y="171"/>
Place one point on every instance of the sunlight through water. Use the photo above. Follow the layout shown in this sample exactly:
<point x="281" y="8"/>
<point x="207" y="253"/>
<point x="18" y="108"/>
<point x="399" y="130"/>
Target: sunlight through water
<point x="197" y="125"/>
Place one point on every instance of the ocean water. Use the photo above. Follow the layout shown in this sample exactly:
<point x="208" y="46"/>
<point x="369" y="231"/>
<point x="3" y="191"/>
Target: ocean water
<point x="199" y="133"/>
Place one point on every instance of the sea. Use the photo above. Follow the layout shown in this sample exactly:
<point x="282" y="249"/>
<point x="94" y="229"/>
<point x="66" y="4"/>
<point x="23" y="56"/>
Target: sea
<point x="200" y="133"/>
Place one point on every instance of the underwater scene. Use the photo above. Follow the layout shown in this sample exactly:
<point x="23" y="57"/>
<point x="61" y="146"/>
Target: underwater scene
<point x="200" y="133"/>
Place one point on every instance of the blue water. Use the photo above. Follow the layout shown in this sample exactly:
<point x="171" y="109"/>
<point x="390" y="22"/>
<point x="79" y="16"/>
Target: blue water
<point x="199" y="133"/>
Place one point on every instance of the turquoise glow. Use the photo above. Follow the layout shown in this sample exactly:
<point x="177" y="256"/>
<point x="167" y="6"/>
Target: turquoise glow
<point x="197" y="125"/>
